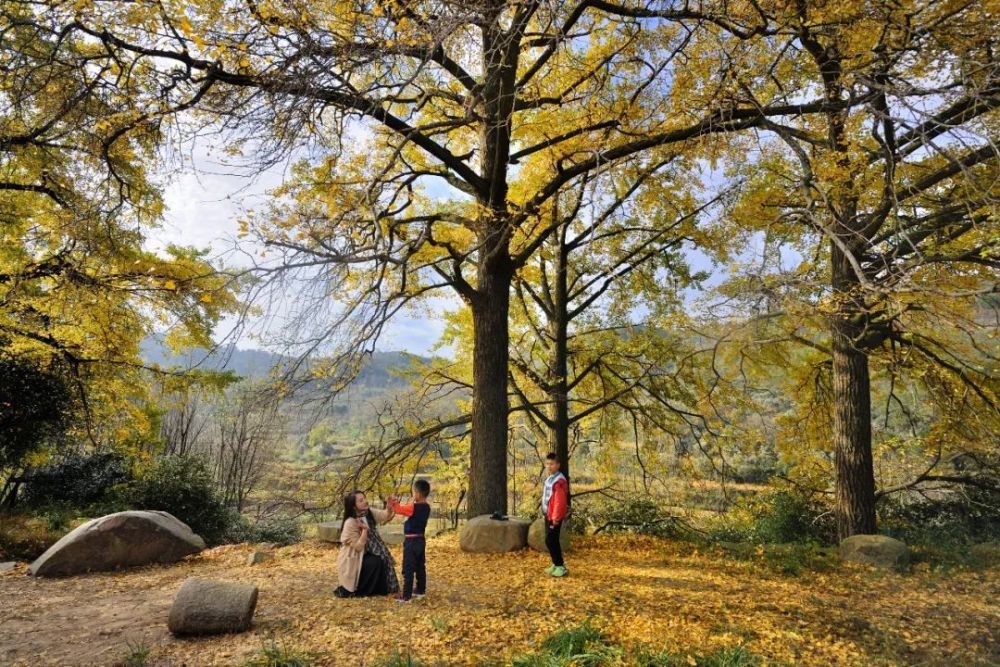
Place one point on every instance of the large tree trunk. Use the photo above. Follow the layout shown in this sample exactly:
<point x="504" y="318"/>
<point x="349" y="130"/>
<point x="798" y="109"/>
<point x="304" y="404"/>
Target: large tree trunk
<point x="494" y="271"/>
<point x="490" y="406"/>
<point x="852" y="429"/>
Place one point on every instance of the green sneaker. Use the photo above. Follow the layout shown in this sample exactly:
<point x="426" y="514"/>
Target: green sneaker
<point x="559" y="571"/>
<point x="550" y="569"/>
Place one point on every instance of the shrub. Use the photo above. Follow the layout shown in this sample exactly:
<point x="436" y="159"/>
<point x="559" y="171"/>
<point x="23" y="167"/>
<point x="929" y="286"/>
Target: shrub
<point x="960" y="516"/>
<point x="184" y="487"/>
<point x="777" y="517"/>
<point x="78" y="480"/>
<point x="35" y="408"/>
<point x="280" y="531"/>
<point x="635" y="515"/>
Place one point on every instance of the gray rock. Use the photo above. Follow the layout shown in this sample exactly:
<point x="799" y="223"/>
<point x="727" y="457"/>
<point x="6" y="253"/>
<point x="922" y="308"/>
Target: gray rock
<point x="258" y="557"/>
<point x="209" y="607"/>
<point x="536" y="536"/>
<point x="329" y="531"/>
<point x="877" y="550"/>
<point x="123" y="539"/>
<point x="9" y="566"/>
<point x="485" y="535"/>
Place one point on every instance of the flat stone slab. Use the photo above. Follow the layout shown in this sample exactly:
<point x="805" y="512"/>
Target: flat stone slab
<point x="122" y="539"/>
<point x="485" y="535"/>
<point x="9" y="566"/>
<point x="329" y="531"/>
<point x="536" y="536"/>
<point x="209" y="607"/>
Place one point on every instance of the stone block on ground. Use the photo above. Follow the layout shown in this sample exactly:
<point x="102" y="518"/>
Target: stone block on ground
<point x="257" y="557"/>
<point x="9" y="566"/>
<point x="485" y="535"/>
<point x="877" y="550"/>
<point x="329" y="531"/>
<point x="208" y="607"/>
<point x="536" y="536"/>
<point x="122" y="539"/>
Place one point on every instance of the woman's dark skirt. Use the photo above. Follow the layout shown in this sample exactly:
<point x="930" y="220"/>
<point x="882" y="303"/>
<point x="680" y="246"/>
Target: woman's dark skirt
<point x="373" y="579"/>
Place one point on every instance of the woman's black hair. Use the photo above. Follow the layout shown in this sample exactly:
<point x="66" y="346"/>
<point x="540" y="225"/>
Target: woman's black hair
<point x="351" y="511"/>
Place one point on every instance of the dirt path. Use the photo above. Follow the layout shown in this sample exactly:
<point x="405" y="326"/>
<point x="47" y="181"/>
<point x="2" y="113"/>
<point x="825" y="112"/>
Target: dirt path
<point x="484" y="608"/>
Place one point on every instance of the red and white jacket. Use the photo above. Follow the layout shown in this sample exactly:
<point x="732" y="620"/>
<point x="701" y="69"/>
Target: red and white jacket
<point x="555" y="498"/>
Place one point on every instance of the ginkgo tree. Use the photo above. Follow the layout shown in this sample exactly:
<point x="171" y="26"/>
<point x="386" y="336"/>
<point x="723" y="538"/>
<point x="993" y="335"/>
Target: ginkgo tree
<point x="491" y="106"/>
<point x="889" y="205"/>
<point x="79" y="289"/>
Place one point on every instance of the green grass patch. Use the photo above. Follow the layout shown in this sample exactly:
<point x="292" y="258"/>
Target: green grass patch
<point x="280" y="655"/>
<point x="586" y="646"/>
<point x="398" y="659"/>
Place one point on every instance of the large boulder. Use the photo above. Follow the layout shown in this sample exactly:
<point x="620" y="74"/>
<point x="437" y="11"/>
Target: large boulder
<point x="536" y="535"/>
<point x="486" y="535"/>
<point x="877" y="550"/>
<point x="209" y="607"/>
<point x="123" y="539"/>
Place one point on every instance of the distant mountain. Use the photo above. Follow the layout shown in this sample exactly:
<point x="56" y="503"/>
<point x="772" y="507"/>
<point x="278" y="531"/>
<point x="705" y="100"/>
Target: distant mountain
<point x="380" y="370"/>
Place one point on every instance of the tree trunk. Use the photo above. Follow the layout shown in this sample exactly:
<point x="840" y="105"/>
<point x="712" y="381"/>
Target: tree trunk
<point x="494" y="271"/>
<point x="558" y="369"/>
<point x="490" y="406"/>
<point x="852" y="429"/>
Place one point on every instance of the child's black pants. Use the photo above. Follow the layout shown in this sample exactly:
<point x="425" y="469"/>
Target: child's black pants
<point x="553" y="543"/>
<point x="414" y="563"/>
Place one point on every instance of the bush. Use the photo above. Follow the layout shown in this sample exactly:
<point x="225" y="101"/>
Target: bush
<point x="78" y="481"/>
<point x="635" y="515"/>
<point x="777" y="517"/>
<point x="960" y="516"/>
<point x="184" y="487"/>
<point x="35" y="408"/>
<point x="279" y="531"/>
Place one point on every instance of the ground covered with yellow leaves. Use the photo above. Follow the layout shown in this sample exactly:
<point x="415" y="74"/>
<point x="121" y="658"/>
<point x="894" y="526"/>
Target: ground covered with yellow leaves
<point x="486" y="609"/>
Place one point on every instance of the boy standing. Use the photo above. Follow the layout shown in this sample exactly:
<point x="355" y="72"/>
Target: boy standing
<point x="417" y="513"/>
<point x="555" y="503"/>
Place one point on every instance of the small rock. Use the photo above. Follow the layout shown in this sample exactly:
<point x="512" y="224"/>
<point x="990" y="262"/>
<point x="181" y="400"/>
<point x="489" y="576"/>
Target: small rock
<point x="206" y="607"/>
<point x="877" y="550"/>
<point x="258" y="557"/>
<point x="9" y="566"/>
<point x="536" y="536"/>
<point x="483" y="534"/>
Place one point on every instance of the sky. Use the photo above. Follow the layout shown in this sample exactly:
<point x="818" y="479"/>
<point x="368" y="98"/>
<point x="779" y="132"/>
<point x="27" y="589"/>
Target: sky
<point x="204" y="201"/>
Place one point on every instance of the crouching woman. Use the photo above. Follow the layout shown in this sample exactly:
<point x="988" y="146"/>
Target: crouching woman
<point x="364" y="565"/>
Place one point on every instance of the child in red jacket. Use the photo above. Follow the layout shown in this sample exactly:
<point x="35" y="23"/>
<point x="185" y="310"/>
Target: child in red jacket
<point x="555" y="503"/>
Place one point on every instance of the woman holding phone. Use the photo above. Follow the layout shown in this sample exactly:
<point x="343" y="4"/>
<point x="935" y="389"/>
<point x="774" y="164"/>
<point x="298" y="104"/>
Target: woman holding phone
<point x="364" y="565"/>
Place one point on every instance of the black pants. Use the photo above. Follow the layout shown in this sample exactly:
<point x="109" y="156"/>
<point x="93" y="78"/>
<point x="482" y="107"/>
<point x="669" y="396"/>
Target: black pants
<point x="414" y="563"/>
<point x="553" y="543"/>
